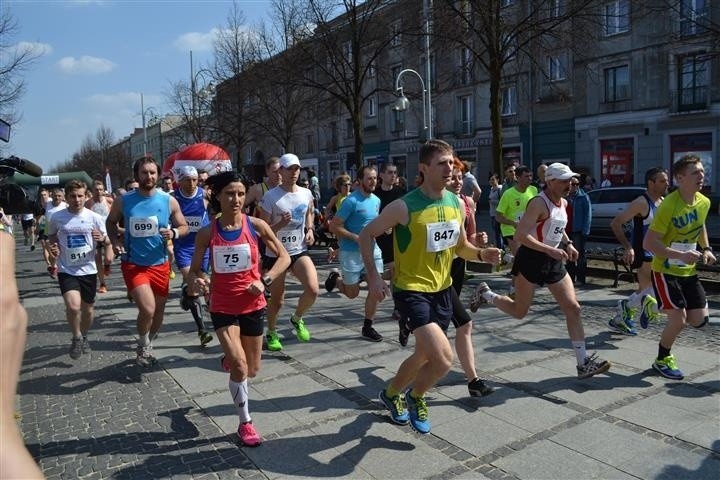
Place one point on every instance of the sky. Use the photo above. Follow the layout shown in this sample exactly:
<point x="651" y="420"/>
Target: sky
<point x="97" y="57"/>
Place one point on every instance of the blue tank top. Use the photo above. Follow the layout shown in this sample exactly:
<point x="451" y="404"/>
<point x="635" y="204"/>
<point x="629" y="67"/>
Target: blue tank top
<point x="195" y="213"/>
<point x="143" y="217"/>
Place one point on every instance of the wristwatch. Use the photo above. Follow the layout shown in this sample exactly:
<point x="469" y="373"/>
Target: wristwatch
<point x="267" y="280"/>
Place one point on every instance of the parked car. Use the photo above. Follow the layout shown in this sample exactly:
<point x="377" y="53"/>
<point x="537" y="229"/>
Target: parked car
<point x="606" y="203"/>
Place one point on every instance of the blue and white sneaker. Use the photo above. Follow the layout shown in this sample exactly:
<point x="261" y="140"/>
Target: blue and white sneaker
<point x="616" y="324"/>
<point x="418" y="413"/>
<point x="398" y="412"/>
<point x="649" y="311"/>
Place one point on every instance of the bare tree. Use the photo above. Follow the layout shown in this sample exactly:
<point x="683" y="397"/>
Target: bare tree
<point x="234" y="52"/>
<point x="503" y="38"/>
<point x="96" y="154"/>
<point x="14" y="61"/>
<point x="338" y="44"/>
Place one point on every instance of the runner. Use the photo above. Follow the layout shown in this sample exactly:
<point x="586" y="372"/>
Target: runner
<point x="28" y="225"/>
<point x="428" y="232"/>
<point x="460" y="318"/>
<point x="100" y="204"/>
<point x="288" y="209"/>
<point x="342" y="185"/>
<point x="357" y="210"/>
<point x="57" y="203"/>
<point x="72" y="233"/>
<point x="257" y="191"/>
<point x="237" y="304"/>
<point x="641" y="211"/>
<point x="544" y="247"/>
<point x="193" y="206"/>
<point x="511" y="208"/>
<point x="675" y="233"/>
<point x="152" y="217"/>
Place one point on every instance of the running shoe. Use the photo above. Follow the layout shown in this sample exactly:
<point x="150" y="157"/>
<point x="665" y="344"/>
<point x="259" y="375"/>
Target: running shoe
<point x="627" y="313"/>
<point x="273" y="342"/>
<point x="75" y="348"/>
<point x="648" y="312"/>
<point x="477" y="298"/>
<point x="332" y="279"/>
<point x="172" y="274"/>
<point x="145" y="357"/>
<point x="52" y="270"/>
<point x="667" y="367"/>
<point x="107" y="269"/>
<point x="32" y="248"/>
<point x="85" y="346"/>
<point x="248" y="436"/>
<point x="205" y="338"/>
<point x="301" y="332"/>
<point x="418" y="411"/>
<point x="224" y="364"/>
<point x="398" y="412"/>
<point x="592" y="366"/>
<point x="616" y="324"/>
<point x="404" y="331"/>
<point x="103" y="288"/>
<point x="478" y="388"/>
<point x="371" y="334"/>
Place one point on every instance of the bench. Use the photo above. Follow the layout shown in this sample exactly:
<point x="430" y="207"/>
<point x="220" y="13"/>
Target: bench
<point x="616" y="257"/>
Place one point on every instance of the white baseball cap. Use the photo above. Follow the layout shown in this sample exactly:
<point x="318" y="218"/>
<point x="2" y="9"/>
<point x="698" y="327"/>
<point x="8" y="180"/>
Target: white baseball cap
<point x="288" y="160"/>
<point x="187" y="171"/>
<point x="559" y="171"/>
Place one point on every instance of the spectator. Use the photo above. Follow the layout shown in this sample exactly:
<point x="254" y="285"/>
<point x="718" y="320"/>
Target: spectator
<point x="493" y="200"/>
<point x="314" y="186"/>
<point x="470" y="187"/>
<point x="606" y="183"/>
<point x="578" y="228"/>
<point x="540" y="180"/>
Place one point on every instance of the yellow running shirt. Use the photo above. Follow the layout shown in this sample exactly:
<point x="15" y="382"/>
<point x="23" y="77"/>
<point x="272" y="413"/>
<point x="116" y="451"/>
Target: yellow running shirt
<point x="680" y="225"/>
<point x="513" y="205"/>
<point x="425" y="247"/>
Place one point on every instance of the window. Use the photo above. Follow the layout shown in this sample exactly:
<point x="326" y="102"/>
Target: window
<point x="506" y="3"/>
<point x="347" y="52"/>
<point x="617" y="83"/>
<point x="510" y="46"/>
<point x="397" y="121"/>
<point x="371" y="71"/>
<point x="310" y="144"/>
<point x="693" y="81"/>
<point x="509" y="100"/>
<point x="557" y="8"/>
<point x="372" y="107"/>
<point x="395" y="29"/>
<point x="693" y="14"/>
<point x="466" y="66"/>
<point x="616" y="17"/>
<point x="349" y="133"/>
<point x="557" y="66"/>
<point x="464" y="115"/>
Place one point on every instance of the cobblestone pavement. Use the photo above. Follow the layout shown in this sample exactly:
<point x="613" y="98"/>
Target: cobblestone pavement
<point x="104" y="417"/>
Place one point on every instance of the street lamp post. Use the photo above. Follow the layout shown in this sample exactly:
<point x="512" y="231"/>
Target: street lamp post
<point x="402" y="103"/>
<point x="207" y="90"/>
<point x="143" y="112"/>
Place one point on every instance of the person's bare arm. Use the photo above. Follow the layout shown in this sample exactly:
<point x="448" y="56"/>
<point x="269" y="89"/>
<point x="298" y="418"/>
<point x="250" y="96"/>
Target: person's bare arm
<point x="15" y="460"/>
<point x="634" y="209"/>
<point x="177" y="220"/>
<point x="111" y="224"/>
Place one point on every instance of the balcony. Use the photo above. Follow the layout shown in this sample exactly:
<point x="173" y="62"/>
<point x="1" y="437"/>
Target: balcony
<point x="689" y="100"/>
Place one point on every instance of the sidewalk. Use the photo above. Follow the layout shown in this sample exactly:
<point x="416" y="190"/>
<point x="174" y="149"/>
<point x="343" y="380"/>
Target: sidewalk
<point x="315" y="404"/>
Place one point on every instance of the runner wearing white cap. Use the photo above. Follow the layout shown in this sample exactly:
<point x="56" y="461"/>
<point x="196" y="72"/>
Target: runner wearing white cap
<point x="544" y="249"/>
<point x="194" y="207"/>
<point x="289" y="210"/>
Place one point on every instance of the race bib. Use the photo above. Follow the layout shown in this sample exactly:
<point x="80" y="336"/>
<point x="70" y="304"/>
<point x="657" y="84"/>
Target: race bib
<point x="682" y="247"/>
<point x="78" y="252"/>
<point x="231" y="259"/>
<point x="143" y="226"/>
<point x="194" y="223"/>
<point x="442" y="235"/>
<point x="291" y="239"/>
<point x="555" y="232"/>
